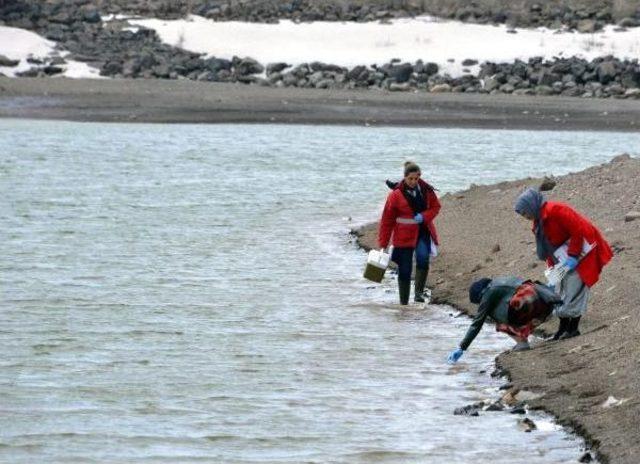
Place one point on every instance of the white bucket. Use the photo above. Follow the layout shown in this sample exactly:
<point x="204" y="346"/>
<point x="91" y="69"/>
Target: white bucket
<point x="377" y="263"/>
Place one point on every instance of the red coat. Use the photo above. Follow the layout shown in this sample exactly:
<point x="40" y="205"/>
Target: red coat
<point x="562" y="223"/>
<point x="397" y="206"/>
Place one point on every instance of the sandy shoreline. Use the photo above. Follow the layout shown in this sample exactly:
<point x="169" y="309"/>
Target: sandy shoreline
<point x="179" y="101"/>
<point x="576" y="376"/>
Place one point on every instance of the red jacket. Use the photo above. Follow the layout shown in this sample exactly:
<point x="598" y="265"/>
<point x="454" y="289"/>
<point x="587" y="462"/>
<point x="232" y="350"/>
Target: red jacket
<point x="562" y="223"/>
<point x="397" y="206"/>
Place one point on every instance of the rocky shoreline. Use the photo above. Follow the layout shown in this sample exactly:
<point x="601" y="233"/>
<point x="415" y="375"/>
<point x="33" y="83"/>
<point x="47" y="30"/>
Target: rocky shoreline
<point x="581" y="15"/>
<point x="590" y="382"/>
<point x="118" y="51"/>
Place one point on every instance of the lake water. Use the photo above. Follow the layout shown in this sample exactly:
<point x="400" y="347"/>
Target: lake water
<point x="190" y="293"/>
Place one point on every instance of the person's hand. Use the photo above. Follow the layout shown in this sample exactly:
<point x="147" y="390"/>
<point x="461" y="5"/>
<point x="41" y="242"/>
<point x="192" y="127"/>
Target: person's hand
<point x="570" y="263"/>
<point x="418" y="218"/>
<point x="454" y="356"/>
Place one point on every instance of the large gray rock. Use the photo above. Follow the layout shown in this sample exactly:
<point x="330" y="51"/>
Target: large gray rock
<point x="276" y="67"/>
<point x="217" y="64"/>
<point x="490" y="84"/>
<point x="587" y="26"/>
<point x="629" y="22"/>
<point x="111" y="68"/>
<point x="401" y="73"/>
<point x="4" y="61"/>
<point x="630" y="78"/>
<point x="431" y="69"/>
<point x="606" y="72"/>
<point x="355" y="73"/>
<point x="91" y="14"/>
<point x="248" y="66"/>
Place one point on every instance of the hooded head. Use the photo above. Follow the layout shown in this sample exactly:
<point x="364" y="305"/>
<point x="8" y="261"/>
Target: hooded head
<point x="529" y="203"/>
<point x="477" y="289"/>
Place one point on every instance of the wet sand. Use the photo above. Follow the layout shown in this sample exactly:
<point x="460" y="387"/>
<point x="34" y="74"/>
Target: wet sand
<point x="576" y="376"/>
<point x="166" y="101"/>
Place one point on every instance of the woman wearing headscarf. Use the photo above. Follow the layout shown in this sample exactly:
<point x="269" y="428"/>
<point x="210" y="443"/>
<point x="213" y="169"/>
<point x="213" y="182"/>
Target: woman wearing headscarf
<point x="585" y="253"/>
<point x="408" y="217"/>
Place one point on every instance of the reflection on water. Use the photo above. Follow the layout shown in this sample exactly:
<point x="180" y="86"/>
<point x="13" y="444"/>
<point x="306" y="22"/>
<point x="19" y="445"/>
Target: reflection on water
<point x="189" y="293"/>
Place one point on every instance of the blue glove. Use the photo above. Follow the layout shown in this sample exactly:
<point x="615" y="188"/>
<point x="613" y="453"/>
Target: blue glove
<point x="570" y="263"/>
<point x="418" y="218"/>
<point x="454" y="356"/>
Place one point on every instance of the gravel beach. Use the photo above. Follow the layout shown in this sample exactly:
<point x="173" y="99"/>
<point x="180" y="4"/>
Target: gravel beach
<point x="590" y="382"/>
<point x="182" y="101"/>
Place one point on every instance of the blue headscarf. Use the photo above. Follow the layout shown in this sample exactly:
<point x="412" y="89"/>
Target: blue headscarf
<point x="530" y="202"/>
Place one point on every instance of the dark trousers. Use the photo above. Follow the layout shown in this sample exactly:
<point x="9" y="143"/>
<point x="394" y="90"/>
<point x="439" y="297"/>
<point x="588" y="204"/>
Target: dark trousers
<point x="403" y="257"/>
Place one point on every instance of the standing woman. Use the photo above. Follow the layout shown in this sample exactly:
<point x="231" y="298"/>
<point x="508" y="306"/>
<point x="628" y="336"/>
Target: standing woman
<point x="554" y="225"/>
<point x="408" y="216"/>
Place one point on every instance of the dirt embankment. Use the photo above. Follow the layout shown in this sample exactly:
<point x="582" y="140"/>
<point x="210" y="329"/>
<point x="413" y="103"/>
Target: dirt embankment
<point x="482" y="236"/>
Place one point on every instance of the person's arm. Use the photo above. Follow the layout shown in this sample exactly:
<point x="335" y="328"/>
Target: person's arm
<point x="387" y="222"/>
<point x="478" y="321"/>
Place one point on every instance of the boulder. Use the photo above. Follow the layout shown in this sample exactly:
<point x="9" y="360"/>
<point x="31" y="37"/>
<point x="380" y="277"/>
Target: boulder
<point x="90" y="14"/>
<point x="214" y="64"/>
<point x="440" y="88"/>
<point x="248" y="66"/>
<point x="397" y="87"/>
<point x="630" y="78"/>
<point x="401" y="73"/>
<point x="111" y="68"/>
<point x="276" y="67"/>
<point x="526" y="424"/>
<point x="547" y="184"/>
<point x="131" y="68"/>
<point x="606" y="72"/>
<point x="354" y="73"/>
<point x="490" y="83"/>
<point x="632" y="93"/>
<point x="469" y="410"/>
<point x="4" y="61"/>
<point x="431" y="69"/>
<point x="52" y="70"/>
<point x="586" y="26"/>
<point x="628" y="22"/>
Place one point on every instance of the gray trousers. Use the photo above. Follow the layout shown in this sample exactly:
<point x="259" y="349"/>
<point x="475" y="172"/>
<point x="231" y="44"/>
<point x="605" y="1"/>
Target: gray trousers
<point x="574" y="294"/>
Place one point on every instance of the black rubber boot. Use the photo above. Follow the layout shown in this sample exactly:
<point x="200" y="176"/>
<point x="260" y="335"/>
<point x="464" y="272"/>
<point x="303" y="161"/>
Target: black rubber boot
<point x="421" y="280"/>
<point x="562" y="328"/>
<point x="404" y="288"/>
<point x="572" y="329"/>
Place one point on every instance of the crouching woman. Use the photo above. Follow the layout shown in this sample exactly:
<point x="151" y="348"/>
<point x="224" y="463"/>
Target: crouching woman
<point x="515" y="305"/>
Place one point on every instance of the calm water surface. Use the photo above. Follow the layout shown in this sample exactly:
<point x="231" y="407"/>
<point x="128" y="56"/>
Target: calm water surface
<point x="190" y="293"/>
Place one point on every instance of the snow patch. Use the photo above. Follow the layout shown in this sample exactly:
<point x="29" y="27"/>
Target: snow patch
<point x="20" y="44"/>
<point x="446" y="43"/>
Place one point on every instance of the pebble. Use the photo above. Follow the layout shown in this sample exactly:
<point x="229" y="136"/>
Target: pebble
<point x="631" y="216"/>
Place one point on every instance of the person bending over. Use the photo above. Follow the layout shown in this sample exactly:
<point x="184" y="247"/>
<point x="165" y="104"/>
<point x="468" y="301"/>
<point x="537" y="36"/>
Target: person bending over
<point x="517" y="307"/>
<point x="565" y="237"/>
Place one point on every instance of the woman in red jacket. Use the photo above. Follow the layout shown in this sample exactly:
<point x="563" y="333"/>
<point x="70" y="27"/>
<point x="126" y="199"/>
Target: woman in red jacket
<point x="408" y="216"/>
<point x="566" y="237"/>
